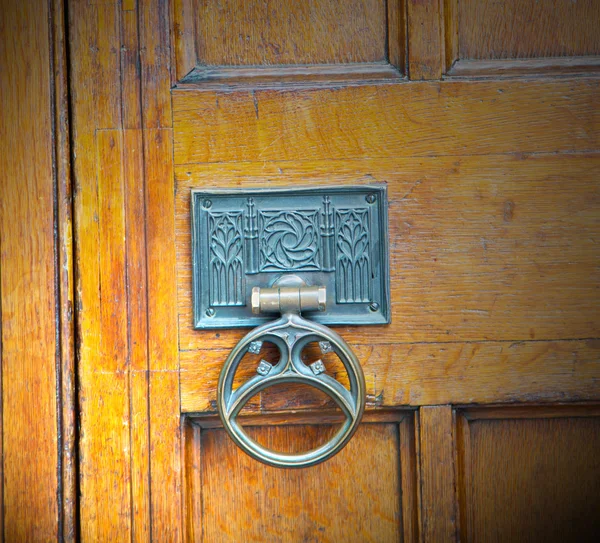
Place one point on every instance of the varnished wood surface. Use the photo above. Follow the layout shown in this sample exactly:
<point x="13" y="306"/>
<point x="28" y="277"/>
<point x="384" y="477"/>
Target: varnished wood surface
<point x="429" y="119"/>
<point x="235" y="32"/>
<point x="530" y="480"/>
<point x="32" y="176"/>
<point x="130" y="476"/>
<point x="439" y="509"/>
<point x="497" y="68"/>
<point x="505" y="245"/>
<point x="424" y="374"/>
<point x="425" y="36"/>
<point x="352" y="497"/>
<point x="524" y="29"/>
<point x="493" y="219"/>
<point x="67" y="497"/>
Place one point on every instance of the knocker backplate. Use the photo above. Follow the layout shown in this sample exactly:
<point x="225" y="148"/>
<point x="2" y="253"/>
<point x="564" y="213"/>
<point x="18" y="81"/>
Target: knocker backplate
<point x="329" y="236"/>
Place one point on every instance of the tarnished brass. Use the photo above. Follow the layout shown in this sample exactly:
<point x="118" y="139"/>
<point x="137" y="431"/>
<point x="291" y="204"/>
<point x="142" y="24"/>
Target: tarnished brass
<point x="290" y="334"/>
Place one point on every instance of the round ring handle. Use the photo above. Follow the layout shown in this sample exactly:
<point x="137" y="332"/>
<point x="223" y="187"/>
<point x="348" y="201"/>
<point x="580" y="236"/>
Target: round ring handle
<point x="290" y="334"/>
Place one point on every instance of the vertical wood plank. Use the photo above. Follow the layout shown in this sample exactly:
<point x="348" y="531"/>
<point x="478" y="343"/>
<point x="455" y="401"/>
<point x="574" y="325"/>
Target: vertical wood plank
<point x="68" y="527"/>
<point x="130" y="67"/>
<point x="437" y="474"/>
<point x="425" y="42"/>
<point x="29" y="334"/>
<point x="408" y="456"/>
<point x="119" y="92"/>
<point x="156" y="58"/>
<point x="155" y="62"/>
<point x="137" y="312"/>
<point x="192" y="453"/>
<point x="162" y="337"/>
<point x="462" y="473"/>
<point x="100" y="260"/>
<point x="184" y="37"/>
<point x="104" y="443"/>
<point x="451" y="50"/>
<point x="396" y="18"/>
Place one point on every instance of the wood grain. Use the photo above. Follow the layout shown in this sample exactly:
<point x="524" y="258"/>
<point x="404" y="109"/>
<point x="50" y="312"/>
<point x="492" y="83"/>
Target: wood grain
<point x="428" y="119"/>
<point x="184" y="38"/>
<point x="451" y="52"/>
<point x="104" y="384"/>
<point x="67" y="420"/>
<point x="162" y="337"/>
<point x="426" y="374"/>
<point x="344" y="499"/>
<point x="505" y="245"/>
<point x="523" y="29"/>
<point x="425" y="39"/>
<point x="545" y="476"/>
<point x="234" y="32"/>
<point x="124" y="214"/>
<point x="137" y="319"/>
<point x="30" y="349"/>
<point x="396" y="17"/>
<point x="496" y="68"/>
<point x="437" y="474"/>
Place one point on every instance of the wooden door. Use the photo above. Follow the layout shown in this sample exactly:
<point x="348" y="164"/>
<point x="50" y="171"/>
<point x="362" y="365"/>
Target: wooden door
<point x="482" y="420"/>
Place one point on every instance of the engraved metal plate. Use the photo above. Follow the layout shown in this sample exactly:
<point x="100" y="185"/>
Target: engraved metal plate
<point x="335" y="237"/>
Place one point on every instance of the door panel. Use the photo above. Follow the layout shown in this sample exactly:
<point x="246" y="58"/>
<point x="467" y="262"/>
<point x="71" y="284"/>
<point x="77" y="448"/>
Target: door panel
<point x="529" y="475"/>
<point x="493" y="188"/>
<point x="347" y="498"/>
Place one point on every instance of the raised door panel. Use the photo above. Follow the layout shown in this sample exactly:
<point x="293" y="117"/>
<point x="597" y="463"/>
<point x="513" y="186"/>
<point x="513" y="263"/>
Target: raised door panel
<point x="529" y="475"/>
<point x="365" y="493"/>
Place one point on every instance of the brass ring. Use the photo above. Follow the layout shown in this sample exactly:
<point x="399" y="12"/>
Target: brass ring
<point x="291" y="333"/>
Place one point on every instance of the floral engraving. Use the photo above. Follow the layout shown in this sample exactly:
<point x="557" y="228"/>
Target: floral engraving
<point x="353" y="262"/>
<point x="289" y="240"/>
<point x="226" y="266"/>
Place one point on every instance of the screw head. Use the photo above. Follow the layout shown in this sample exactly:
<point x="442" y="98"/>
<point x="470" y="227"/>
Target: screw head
<point x="264" y="368"/>
<point x="318" y="367"/>
<point x="207" y="204"/>
<point x="210" y="312"/>
<point x="371" y="198"/>
<point x="255" y="347"/>
<point x="373" y="306"/>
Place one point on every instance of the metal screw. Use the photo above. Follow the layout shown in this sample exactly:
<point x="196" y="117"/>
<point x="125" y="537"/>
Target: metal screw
<point x="255" y="347"/>
<point x="264" y="368"/>
<point x="210" y="312"/>
<point x="318" y="367"/>
<point x="374" y="306"/>
<point x="371" y="198"/>
<point x="207" y="204"/>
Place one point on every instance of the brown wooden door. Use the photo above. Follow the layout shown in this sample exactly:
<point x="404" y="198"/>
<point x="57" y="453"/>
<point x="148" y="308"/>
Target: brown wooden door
<point x="482" y="420"/>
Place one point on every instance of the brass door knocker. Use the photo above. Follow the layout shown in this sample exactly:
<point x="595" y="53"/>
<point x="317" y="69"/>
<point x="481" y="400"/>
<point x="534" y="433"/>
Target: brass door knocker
<point x="290" y="334"/>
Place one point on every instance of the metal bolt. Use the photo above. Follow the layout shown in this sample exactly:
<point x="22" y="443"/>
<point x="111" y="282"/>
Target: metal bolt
<point x="210" y="312"/>
<point x="325" y="347"/>
<point x="318" y="367"/>
<point x="255" y="347"/>
<point x="264" y="368"/>
<point x="374" y="306"/>
<point x="207" y="204"/>
<point x="371" y="198"/>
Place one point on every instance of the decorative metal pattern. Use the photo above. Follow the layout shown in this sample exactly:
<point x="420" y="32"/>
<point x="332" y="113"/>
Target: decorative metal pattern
<point x="353" y="261"/>
<point x="327" y="236"/>
<point x="290" y="334"/>
<point x="334" y="236"/>
<point x="251" y="237"/>
<point x="226" y="273"/>
<point x="289" y="240"/>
